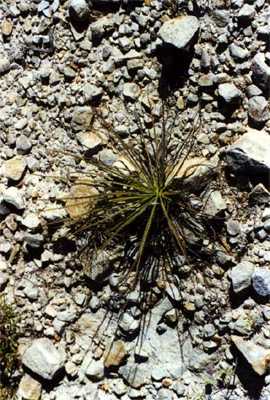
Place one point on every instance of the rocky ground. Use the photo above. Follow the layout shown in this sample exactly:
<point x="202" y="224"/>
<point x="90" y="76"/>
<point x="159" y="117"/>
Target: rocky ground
<point x="58" y="60"/>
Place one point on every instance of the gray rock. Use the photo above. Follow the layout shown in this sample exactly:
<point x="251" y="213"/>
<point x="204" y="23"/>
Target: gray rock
<point x="43" y="359"/>
<point x="221" y="17"/>
<point x="30" y="289"/>
<point x="241" y="275"/>
<point x="259" y="195"/>
<point x="258" y="109"/>
<point x="79" y="10"/>
<point x="165" y="394"/>
<point x="261" y="281"/>
<point x="261" y="72"/>
<point x="23" y="144"/>
<point x="180" y="31"/>
<point x="229" y="93"/>
<point x="34" y="240"/>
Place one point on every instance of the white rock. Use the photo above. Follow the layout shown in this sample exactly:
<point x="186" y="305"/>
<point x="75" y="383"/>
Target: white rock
<point x="229" y="92"/>
<point x="43" y="359"/>
<point x="179" y="31"/>
<point x="13" y="196"/>
<point x="250" y="153"/>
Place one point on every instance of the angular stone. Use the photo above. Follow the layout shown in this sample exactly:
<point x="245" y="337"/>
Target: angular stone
<point x="257" y="356"/>
<point x="43" y="359"/>
<point x="180" y="31"/>
<point x="251" y="152"/>
<point x="131" y="91"/>
<point x="229" y="93"/>
<point x="241" y="275"/>
<point x="258" y="109"/>
<point x="261" y="281"/>
<point x="79" y="10"/>
<point x="89" y="139"/>
<point x="214" y="203"/>
<point x="81" y="118"/>
<point x="261" y="71"/>
<point x="14" y="168"/>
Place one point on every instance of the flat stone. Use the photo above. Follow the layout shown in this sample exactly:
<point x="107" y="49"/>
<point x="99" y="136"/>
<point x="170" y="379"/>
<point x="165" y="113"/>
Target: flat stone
<point x="257" y="356"/>
<point x="241" y="275"/>
<point x="251" y="152"/>
<point x="261" y="281"/>
<point x="43" y="359"/>
<point x="180" y="31"/>
<point x="80" y="200"/>
<point x="29" y="389"/>
<point x="14" y="168"/>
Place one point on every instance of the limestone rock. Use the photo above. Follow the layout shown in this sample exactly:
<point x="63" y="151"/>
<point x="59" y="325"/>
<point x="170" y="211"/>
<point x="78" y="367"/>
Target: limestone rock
<point x="257" y="356"/>
<point x="43" y="359"/>
<point x="180" y="31"/>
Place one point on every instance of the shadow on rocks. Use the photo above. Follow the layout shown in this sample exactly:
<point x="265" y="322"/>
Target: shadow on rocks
<point x="175" y="64"/>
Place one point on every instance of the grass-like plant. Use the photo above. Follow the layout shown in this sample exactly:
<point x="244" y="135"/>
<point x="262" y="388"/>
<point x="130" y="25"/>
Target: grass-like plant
<point x="9" y="335"/>
<point x="146" y="203"/>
